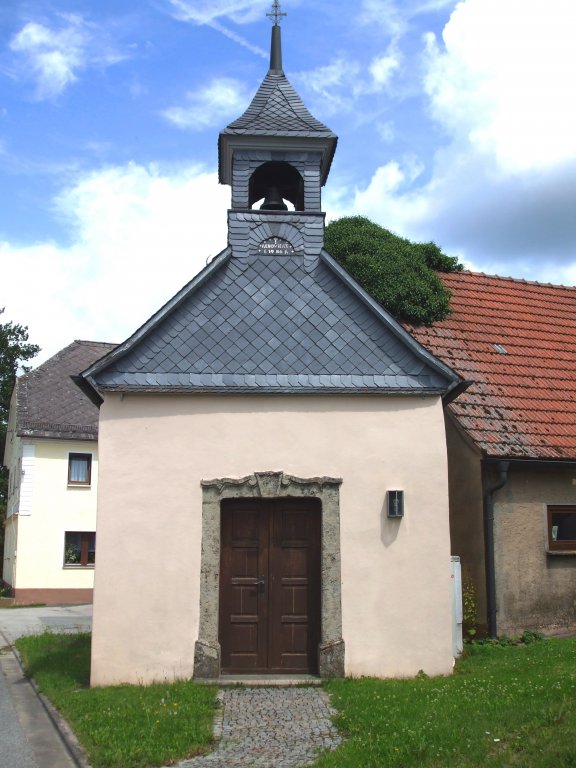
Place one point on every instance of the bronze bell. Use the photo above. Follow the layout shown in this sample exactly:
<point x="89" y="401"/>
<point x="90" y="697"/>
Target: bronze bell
<point x="273" y="201"/>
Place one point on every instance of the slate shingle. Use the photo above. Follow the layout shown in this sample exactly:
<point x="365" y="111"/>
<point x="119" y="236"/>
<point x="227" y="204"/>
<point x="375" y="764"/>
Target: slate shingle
<point x="276" y="109"/>
<point x="271" y="326"/>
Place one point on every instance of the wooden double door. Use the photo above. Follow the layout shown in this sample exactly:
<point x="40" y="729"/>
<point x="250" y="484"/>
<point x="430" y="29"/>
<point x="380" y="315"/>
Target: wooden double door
<point x="270" y="586"/>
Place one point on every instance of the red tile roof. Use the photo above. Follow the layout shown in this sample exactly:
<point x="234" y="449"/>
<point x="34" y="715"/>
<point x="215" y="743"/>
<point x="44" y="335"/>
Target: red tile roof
<point x="516" y="341"/>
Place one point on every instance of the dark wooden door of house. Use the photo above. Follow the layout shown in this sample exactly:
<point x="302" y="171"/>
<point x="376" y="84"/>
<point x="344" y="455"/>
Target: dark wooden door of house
<point x="270" y="586"/>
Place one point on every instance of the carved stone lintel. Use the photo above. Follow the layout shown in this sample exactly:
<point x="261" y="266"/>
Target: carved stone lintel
<point x="269" y="484"/>
<point x="331" y="659"/>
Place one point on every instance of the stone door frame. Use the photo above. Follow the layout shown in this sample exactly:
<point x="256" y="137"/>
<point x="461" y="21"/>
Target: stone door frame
<point x="270" y="485"/>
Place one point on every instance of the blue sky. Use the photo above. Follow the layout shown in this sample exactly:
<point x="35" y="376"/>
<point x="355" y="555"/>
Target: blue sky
<point x="455" y="121"/>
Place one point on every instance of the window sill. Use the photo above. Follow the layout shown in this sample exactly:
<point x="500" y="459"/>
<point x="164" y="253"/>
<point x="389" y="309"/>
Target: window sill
<point x="79" y="485"/>
<point x="74" y="567"/>
<point x="561" y="552"/>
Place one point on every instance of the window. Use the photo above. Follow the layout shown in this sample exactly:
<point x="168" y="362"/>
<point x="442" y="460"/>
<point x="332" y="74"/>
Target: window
<point x="79" y="468"/>
<point x="79" y="548"/>
<point x="562" y="529"/>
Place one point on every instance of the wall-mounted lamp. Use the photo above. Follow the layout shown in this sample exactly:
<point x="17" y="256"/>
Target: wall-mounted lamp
<point x="395" y="504"/>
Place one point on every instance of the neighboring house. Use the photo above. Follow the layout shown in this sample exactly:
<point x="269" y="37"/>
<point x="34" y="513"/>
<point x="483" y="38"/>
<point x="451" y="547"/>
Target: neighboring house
<point x="512" y="446"/>
<point x="273" y="493"/>
<point x="52" y="456"/>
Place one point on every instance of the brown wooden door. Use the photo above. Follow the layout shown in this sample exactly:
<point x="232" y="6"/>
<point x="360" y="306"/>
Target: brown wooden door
<point x="270" y="586"/>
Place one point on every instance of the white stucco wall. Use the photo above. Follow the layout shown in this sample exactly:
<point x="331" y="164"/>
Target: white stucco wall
<point x="47" y="508"/>
<point x="154" y="452"/>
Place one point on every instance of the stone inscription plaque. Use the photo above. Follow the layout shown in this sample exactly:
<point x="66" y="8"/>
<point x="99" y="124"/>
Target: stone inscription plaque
<point x="275" y="246"/>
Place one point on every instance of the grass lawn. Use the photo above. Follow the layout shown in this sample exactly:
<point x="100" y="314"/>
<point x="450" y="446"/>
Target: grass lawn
<point x="121" y="726"/>
<point x="505" y="707"/>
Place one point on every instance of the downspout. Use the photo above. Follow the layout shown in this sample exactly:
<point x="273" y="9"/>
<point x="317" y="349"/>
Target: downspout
<point x="489" y="491"/>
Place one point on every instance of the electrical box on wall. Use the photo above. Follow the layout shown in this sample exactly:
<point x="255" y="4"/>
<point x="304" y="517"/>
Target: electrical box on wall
<point x="395" y="504"/>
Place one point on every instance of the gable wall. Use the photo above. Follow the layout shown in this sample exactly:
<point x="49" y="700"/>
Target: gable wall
<point x="154" y="452"/>
<point x="534" y="589"/>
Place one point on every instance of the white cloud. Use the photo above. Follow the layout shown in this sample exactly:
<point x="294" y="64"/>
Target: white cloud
<point x="138" y="234"/>
<point x="518" y="224"/>
<point x="209" y="106"/>
<point x="338" y="86"/>
<point x="395" y="16"/>
<point x="208" y="13"/>
<point x="385" y="14"/>
<point x="500" y="192"/>
<point x="383" y="68"/>
<point x="386" y="131"/>
<point x="332" y="85"/>
<point x="54" y="56"/>
<point x="505" y="79"/>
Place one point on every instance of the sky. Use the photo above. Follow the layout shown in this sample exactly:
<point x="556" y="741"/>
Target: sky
<point x="456" y="124"/>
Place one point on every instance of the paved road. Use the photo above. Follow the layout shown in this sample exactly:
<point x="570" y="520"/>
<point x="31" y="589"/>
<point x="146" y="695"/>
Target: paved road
<point x="16" y="750"/>
<point x="28" y="735"/>
<point x="16" y="622"/>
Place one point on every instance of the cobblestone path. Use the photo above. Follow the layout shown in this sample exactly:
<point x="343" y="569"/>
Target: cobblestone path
<point x="270" y="728"/>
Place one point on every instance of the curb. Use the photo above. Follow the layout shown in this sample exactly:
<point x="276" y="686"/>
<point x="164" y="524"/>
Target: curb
<point x="66" y="734"/>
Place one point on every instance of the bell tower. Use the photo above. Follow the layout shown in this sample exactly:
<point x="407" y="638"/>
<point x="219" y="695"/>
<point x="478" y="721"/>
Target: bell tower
<point x="276" y="157"/>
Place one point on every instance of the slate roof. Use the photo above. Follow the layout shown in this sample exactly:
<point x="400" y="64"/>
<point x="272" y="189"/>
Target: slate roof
<point x="49" y="404"/>
<point x="516" y="341"/>
<point x="272" y="325"/>
<point x="277" y="110"/>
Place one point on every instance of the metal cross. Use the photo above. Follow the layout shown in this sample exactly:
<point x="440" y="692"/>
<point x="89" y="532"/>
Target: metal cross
<point x="276" y="13"/>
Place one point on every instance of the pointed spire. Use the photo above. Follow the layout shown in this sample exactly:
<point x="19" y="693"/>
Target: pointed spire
<point x="276" y="45"/>
<point x="276" y="49"/>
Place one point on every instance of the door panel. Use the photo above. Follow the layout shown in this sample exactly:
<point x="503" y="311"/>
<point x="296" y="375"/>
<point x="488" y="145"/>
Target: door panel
<point x="294" y="600"/>
<point x="243" y="607"/>
<point x="270" y="585"/>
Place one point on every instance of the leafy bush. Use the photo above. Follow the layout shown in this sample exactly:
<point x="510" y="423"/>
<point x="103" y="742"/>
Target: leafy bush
<point x="469" y="609"/>
<point x="399" y="274"/>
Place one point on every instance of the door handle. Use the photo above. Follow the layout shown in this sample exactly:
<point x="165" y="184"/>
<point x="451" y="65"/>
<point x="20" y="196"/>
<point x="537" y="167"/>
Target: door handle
<point x="261" y="584"/>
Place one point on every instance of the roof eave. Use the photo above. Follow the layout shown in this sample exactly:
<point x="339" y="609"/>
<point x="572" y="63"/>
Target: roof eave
<point x="228" y="143"/>
<point x="90" y="373"/>
<point x="532" y="462"/>
<point x="386" y="392"/>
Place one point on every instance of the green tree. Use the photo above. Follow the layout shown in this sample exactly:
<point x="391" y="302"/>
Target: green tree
<point x="14" y="350"/>
<point x="399" y="274"/>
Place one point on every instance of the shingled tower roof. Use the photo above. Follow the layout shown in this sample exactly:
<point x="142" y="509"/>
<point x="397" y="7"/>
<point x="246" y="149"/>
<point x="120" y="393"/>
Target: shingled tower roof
<point x="276" y="111"/>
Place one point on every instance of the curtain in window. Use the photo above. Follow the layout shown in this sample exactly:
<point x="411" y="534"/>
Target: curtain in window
<point x="78" y="470"/>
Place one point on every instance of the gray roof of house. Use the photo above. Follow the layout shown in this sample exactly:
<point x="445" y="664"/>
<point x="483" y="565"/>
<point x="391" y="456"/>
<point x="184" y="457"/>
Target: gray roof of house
<point x="272" y="325"/>
<point x="49" y="404"/>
